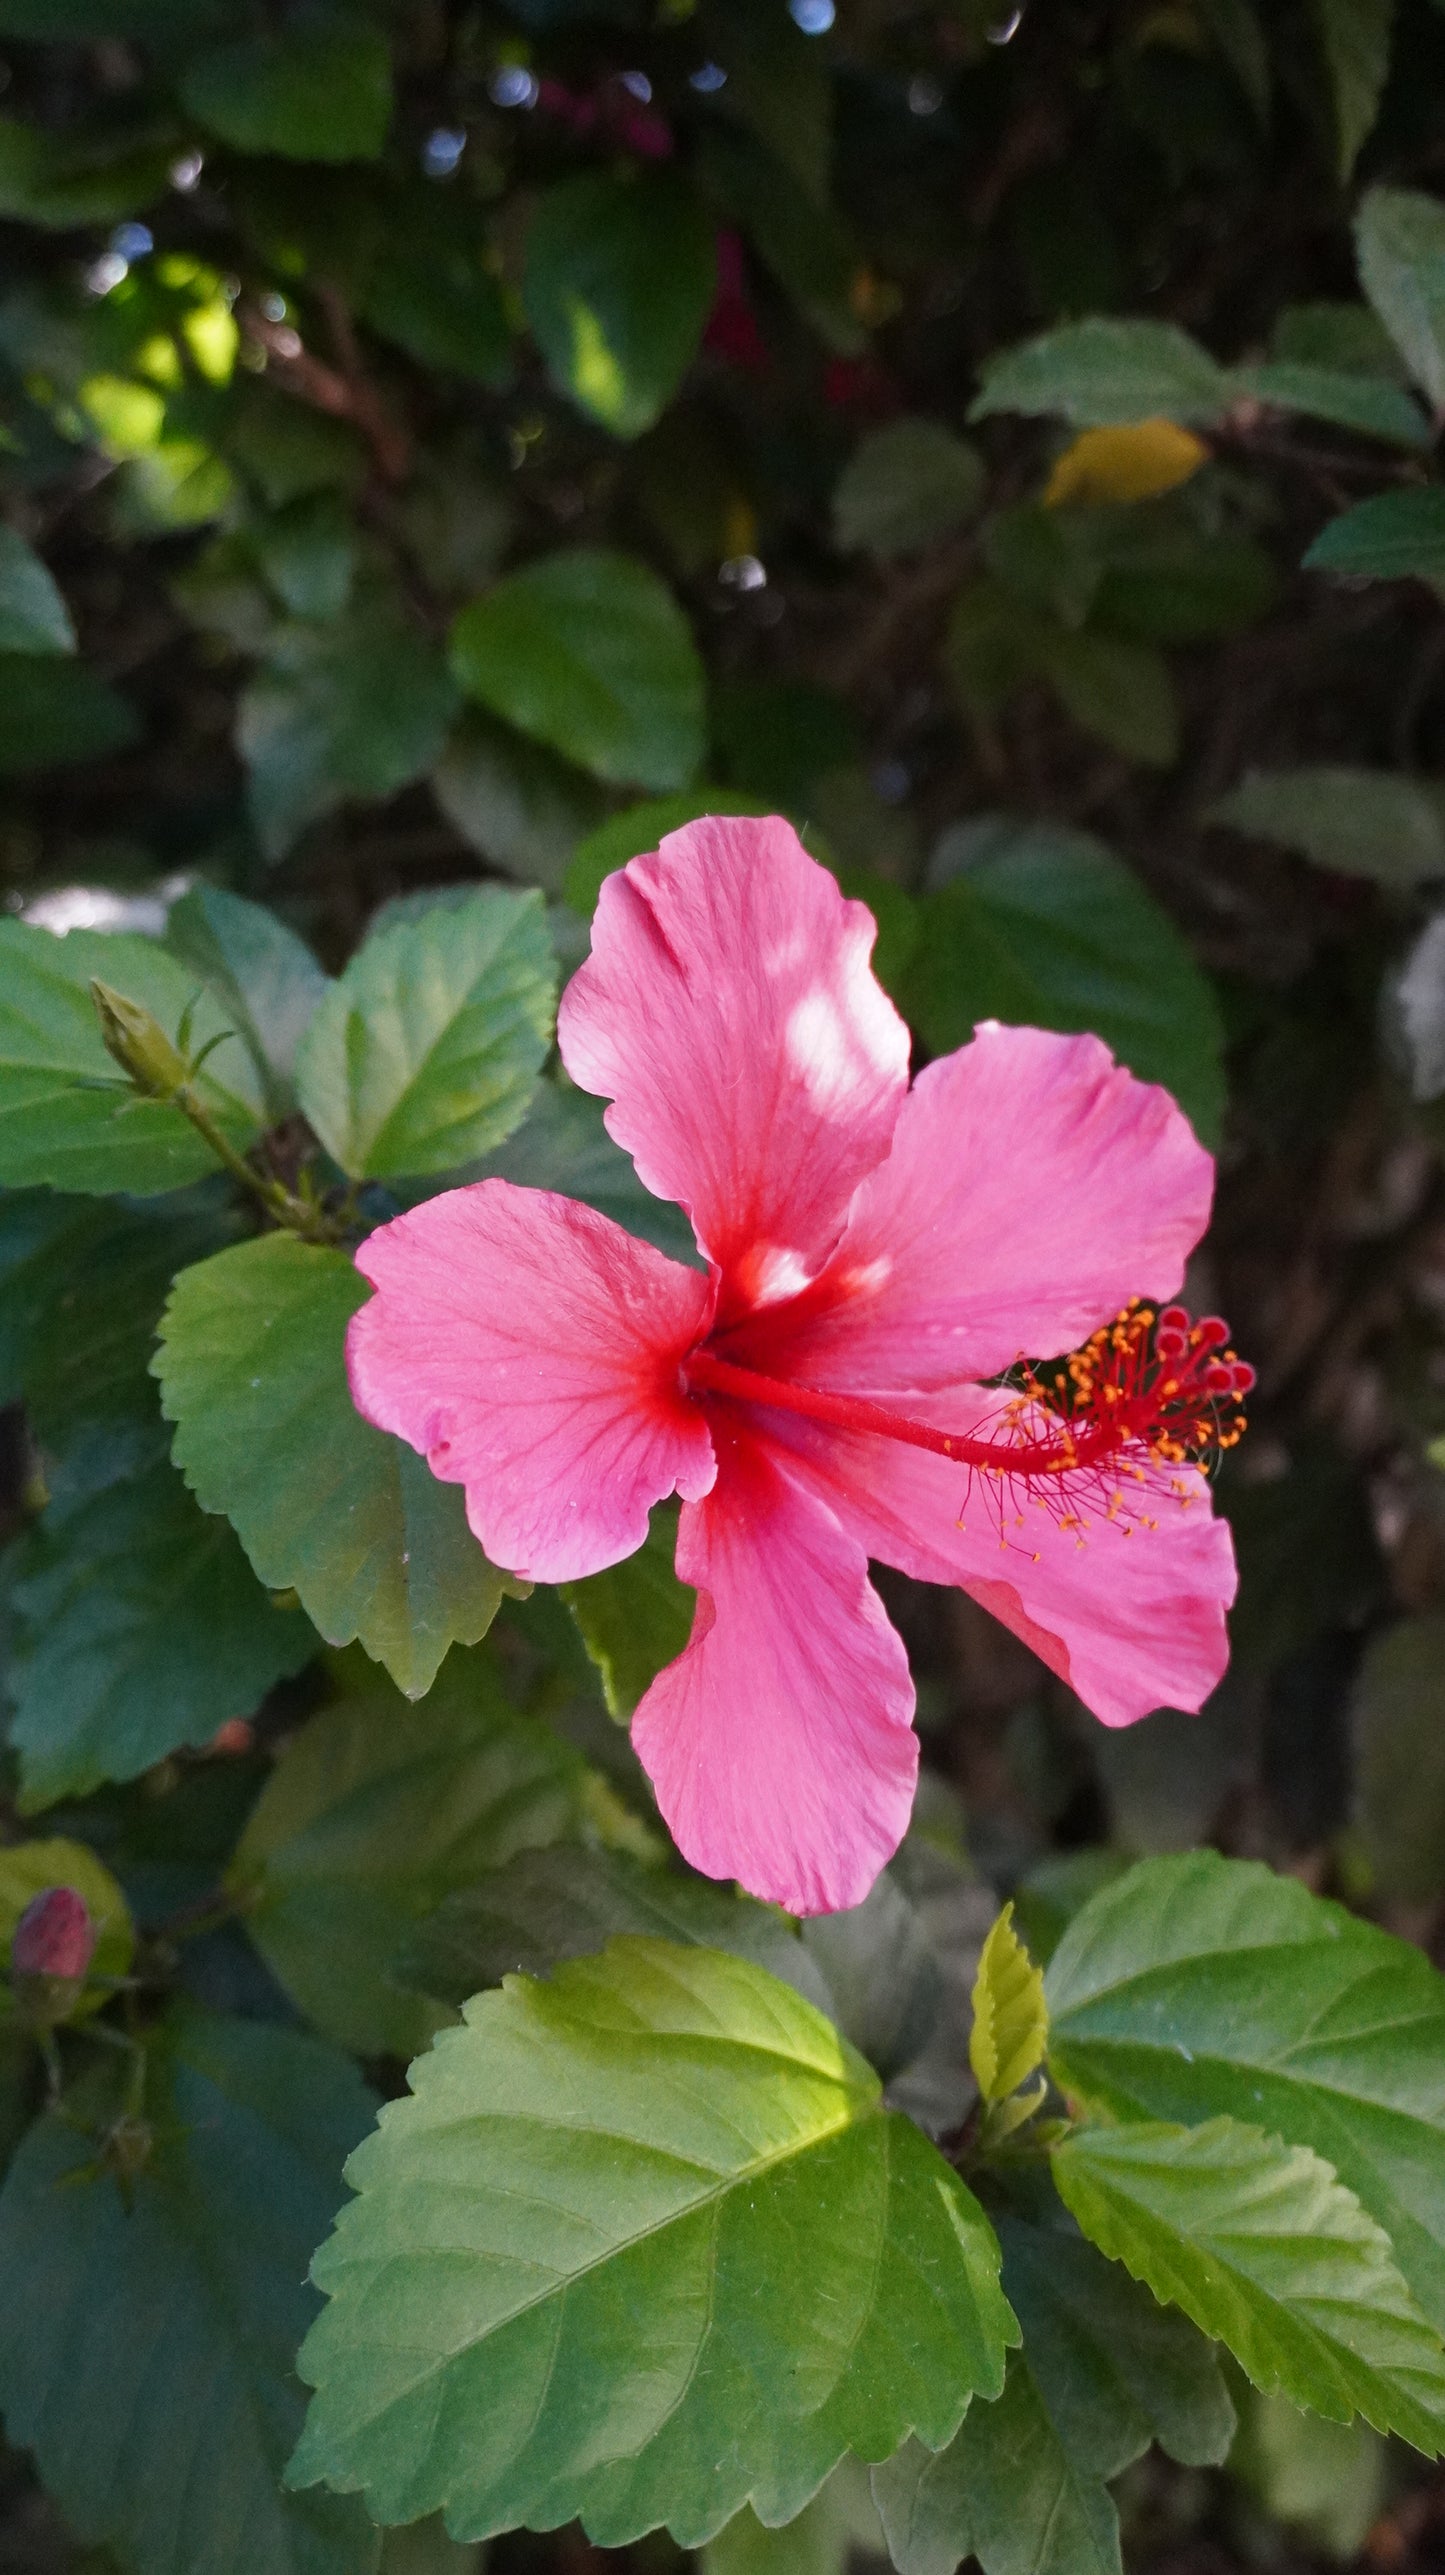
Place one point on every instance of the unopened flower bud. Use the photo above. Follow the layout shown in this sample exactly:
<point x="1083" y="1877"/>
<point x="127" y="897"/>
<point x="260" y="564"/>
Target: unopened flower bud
<point x="50" y="1954"/>
<point x="138" y="1043"/>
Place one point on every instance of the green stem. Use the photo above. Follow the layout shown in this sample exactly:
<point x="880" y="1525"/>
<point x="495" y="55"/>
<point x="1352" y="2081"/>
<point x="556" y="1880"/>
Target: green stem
<point x="299" y="1215"/>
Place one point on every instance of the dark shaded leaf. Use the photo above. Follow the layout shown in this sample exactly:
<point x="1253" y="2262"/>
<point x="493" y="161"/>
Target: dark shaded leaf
<point x="200" y="2276"/>
<point x="1394" y="536"/>
<point x="587" y="652"/>
<point x="549" y="1905"/>
<point x="139" y="1627"/>
<point x="373" y="1814"/>
<point x="1047" y="928"/>
<point x="317" y="88"/>
<point x="619" y="281"/>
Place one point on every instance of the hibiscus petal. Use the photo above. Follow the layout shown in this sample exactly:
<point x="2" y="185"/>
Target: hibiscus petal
<point x="529" y="1348"/>
<point x="1131" y="1618"/>
<point x="1033" y="1187"/>
<point x="755" y="1065"/>
<point x="780" y="1744"/>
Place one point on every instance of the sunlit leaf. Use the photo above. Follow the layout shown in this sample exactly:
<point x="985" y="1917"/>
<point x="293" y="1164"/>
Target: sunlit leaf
<point x="1264" y="2249"/>
<point x="424" y="1053"/>
<point x="1198" y="1987"/>
<point x="1010" y="2017"/>
<point x="828" y="2282"/>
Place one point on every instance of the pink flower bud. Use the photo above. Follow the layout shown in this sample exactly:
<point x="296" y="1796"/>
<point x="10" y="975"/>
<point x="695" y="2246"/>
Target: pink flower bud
<point x="54" y="1936"/>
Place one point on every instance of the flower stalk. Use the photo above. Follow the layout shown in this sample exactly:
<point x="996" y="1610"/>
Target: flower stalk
<point x="158" y="1069"/>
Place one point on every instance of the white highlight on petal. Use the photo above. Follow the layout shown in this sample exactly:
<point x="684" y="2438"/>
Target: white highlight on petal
<point x="820" y="1048"/>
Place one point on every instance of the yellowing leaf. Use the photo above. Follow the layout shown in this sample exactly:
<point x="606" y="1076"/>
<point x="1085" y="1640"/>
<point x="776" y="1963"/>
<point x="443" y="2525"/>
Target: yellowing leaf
<point x="1126" y="464"/>
<point x="1010" y="2017"/>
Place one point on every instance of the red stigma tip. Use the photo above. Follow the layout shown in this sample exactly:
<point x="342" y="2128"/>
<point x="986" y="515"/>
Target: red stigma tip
<point x="1165" y="1385"/>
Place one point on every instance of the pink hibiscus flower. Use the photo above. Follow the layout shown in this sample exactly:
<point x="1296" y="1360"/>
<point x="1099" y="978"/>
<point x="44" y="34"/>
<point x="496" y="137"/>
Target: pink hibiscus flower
<point x="876" y="1255"/>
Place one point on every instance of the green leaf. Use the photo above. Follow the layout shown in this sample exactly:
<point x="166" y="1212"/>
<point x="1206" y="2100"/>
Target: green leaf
<point x="692" y="2142"/>
<point x="456" y="519"/>
<point x="1166" y="580"/>
<point x="995" y="643"/>
<point x="634" y="1618"/>
<point x="430" y="288"/>
<point x="1235" y="28"/>
<point x="1355" y="37"/>
<point x="139" y="1627"/>
<point x="1329" y="2481"/>
<point x="26" y="1870"/>
<point x="373" y="1814"/>
<point x="149" y="2343"/>
<point x="425" y="1052"/>
<point x="882" y="1977"/>
<point x="1007" y="2490"/>
<point x="1198" y="1986"/>
<point x="54" y="711"/>
<point x="82" y="1284"/>
<point x="780" y="739"/>
<point x="1102" y="2373"/>
<point x="565" y="1902"/>
<point x="264" y="977"/>
<point x="1051" y="558"/>
<point x="316" y="89"/>
<point x="253" y="1373"/>
<point x="1394" y="536"/>
<point x="67" y="1119"/>
<point x="620" y="273"/>
<point x="563" y="1144"/>
<point x="778" y="84"/>
<point x="1360" y="822"/>
<point x="1370" y="405"/>
<point x="905" y="486"/>
<point x="1045" y="927"/>
<point x="423" y="2548"/>
<point x="588" y="653"/>
<point x="823" y="2540"/>
<point x="640" y="828"/>
<point x="33" y="616"/>
<point x="1056" y="1888"/>
<point x="307" y="551"/>
<point x="1101" y="373"/>
<point x="1343" y="338"/>
<point x="356" y="707"/>
<point x="1264" y="2249"/>
<point x="1399" y="1729"/>
<point x="285" y="450"/>
<point x="1119" y="690"/>
<point x="520" y="806"/>
<point x="804" y="241"/>
<point x="91" y="175"/>
<point x="1400" y="243"/>
<point x="1010" y="2017"/>
<point x="60" y="20"/>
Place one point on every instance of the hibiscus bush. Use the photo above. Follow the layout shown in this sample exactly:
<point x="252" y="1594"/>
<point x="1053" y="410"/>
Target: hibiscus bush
<point x="722" y="1839"/>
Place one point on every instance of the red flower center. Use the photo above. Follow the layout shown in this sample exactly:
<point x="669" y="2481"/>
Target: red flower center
<point x="1149" y="1391"/>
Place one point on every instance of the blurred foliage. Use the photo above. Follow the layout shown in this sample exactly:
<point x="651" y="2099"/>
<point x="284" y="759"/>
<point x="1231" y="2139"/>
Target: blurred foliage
<point x="443" y="445"/>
